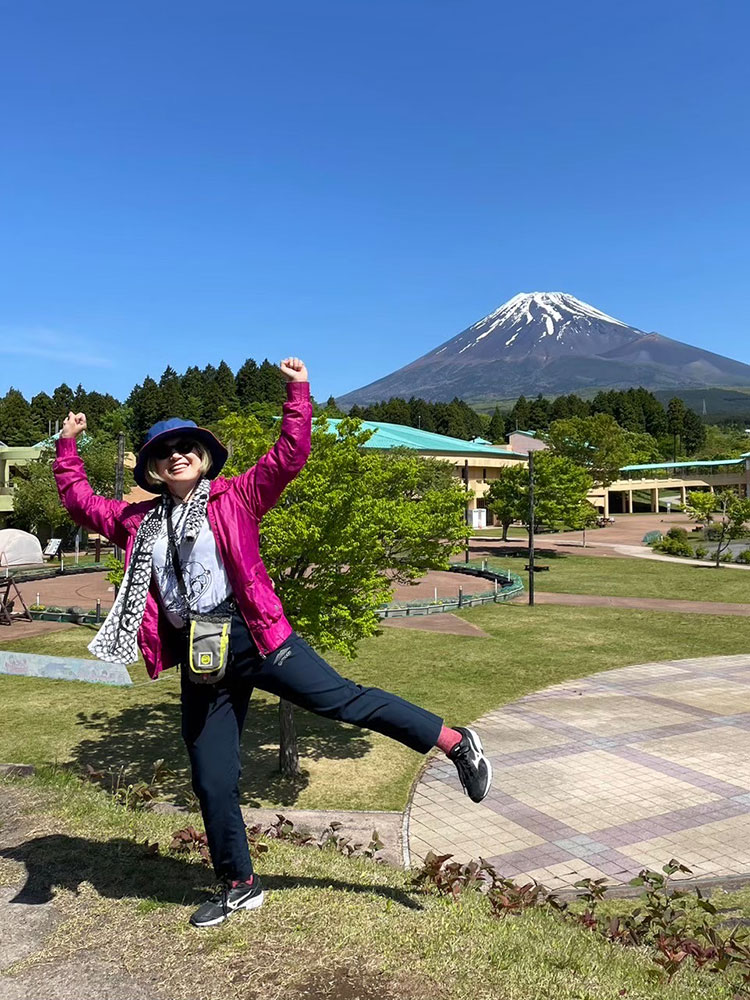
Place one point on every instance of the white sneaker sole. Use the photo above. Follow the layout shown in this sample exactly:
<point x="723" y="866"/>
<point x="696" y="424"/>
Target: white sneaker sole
<point x="252" y="904"/>
<point x="480" y="749"/>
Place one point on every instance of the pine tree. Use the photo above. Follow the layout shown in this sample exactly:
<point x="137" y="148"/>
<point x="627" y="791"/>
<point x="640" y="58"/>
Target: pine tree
<point x="693" y="432"/>
<point x="271" y="385"/>
<point x="170" y="389"/>
<point x="226" y="389"/>
<point x="246" y="382"/>
<point x="191" y="384"/>
<point x="43" y="414"/>
<point x="519" y="415"/>
<point x="17" y="426"/>
<point x="145" y="402"/>
<point x="496" y="430"/>
<point x="62" y="398"/>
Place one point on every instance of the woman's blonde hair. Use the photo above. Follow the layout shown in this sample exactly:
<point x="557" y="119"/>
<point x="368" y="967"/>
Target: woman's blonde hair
<point x="154" y="479"/>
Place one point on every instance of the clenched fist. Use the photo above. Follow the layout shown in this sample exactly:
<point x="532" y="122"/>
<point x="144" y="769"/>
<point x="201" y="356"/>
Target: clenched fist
<point x="293" y="370"/>
<point x="73" y="425"/>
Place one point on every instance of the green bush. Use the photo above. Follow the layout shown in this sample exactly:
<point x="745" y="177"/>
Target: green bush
<point x="712" y="533"/>
<point x="116" y="569"/>
<point x="744" y="556"/>
<point x="674" y="547"/>
<point x="679" y="534"/>
<point x="701" y="551"/>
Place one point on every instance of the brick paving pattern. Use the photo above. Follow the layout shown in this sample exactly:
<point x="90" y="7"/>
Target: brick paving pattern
<point x="605" y="776"/>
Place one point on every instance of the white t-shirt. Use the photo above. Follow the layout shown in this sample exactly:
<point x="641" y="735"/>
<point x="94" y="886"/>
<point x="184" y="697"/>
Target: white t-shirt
<point x="205" y="577"/>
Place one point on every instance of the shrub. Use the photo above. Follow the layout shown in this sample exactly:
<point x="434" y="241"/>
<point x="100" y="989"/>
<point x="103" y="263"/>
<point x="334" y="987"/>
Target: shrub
<point x="116" y="569"/>
<point x="674" y="547"/>
<point x="712" y="533"/>
<point x="727" y="556"/>
<point x="744" y="556"/>
<point x="679" y="534"/>
<point x="701" y="551"/>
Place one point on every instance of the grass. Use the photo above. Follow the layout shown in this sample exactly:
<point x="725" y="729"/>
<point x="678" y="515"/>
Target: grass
<point x="620" y="577"/>
<point x="460" y="678"/>
<point x="331" y="927"/>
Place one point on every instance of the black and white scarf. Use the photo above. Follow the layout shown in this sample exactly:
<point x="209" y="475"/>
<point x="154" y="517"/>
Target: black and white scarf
<point x="116" y="640"/>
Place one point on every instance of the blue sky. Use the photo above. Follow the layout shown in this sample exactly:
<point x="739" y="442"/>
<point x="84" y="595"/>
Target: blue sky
<point x="356" y="182"/>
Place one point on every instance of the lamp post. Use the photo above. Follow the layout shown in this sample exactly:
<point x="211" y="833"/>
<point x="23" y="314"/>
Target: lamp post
<point x="531" y="527"/>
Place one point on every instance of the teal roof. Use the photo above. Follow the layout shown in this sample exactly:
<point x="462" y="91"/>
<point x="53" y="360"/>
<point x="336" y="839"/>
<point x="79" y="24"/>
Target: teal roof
<point x="399" y="436"/>
<point x="684" y="465"/>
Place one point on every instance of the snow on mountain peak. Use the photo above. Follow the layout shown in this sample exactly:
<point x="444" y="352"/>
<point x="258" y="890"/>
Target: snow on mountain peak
<point x="549" y="314"/>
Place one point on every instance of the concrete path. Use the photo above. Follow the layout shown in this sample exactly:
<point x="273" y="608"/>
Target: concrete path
<point x="644" y="552"/>
<point x="623" y="770"/>
<point x="639" y="603"/>
<point x="447" y="624"/>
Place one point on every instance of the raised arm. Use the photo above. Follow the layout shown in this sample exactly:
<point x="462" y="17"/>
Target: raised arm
<point x="84" y="506"/>
<point x="263" y="484"/>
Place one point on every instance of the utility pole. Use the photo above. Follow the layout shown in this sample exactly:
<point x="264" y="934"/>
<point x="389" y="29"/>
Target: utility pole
<point x="466" y="487"/>
<point x="531" y="527"/>
<point x="120" y="478"/>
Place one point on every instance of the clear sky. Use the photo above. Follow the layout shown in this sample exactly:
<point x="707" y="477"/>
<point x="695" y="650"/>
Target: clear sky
<point x="355" y="182"/>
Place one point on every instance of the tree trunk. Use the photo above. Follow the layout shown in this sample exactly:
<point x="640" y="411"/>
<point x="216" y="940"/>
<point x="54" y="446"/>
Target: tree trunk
<point x="505" y="531"/>
<point x="288" y="754"/>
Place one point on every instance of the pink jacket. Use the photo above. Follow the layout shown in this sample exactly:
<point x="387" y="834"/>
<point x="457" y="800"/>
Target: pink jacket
<point x="235" y="507"/>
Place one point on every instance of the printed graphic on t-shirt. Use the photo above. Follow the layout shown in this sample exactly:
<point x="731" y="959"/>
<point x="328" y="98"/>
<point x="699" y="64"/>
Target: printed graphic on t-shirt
<point x="197" y="582"/>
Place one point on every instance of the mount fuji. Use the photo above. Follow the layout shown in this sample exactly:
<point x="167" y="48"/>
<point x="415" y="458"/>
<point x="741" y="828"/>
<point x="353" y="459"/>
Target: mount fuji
<point x="551" y="342"/>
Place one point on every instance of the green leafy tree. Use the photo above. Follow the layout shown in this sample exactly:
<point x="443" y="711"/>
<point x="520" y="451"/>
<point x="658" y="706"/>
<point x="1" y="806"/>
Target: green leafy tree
<point x="354" y="522"/>
<point x="560" y="493"/>
<point x="36" y="503"/>
<point x="724" y="509"/>
<point x="599" y="445"/>
<point x="17" y="425"/>
<point x="723" y="442"/>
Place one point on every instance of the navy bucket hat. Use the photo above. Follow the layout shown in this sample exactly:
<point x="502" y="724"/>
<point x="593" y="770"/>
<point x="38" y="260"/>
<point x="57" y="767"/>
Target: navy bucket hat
<point x="177" y="427"/>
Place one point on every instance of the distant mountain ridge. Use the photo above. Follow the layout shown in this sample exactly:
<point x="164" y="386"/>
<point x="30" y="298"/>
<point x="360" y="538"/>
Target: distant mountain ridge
<point x="553" y="343"/>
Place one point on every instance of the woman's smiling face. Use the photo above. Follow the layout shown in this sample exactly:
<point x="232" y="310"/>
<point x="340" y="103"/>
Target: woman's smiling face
<point x="178" y="464"/>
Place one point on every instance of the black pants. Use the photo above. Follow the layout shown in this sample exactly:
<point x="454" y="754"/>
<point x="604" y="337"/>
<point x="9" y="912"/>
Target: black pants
<point x="213" y="716"/>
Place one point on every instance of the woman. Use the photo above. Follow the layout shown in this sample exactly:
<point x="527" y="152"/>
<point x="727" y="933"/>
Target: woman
<point x="195" y="550"/>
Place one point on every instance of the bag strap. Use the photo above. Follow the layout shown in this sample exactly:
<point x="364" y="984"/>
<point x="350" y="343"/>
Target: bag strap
<point x="175" y="557"/>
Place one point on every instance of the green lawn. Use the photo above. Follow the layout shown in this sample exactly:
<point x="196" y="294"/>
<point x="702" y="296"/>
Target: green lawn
<point x="619" y="577"/>
<point x="331" y="927"/>
<point x="460" y="678"/>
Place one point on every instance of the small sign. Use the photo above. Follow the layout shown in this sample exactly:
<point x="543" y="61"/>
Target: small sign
<point x="53" y="546"/>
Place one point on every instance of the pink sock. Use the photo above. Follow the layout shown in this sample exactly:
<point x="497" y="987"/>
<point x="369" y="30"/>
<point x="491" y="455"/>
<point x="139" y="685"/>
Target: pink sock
<point x="447" y="739"/>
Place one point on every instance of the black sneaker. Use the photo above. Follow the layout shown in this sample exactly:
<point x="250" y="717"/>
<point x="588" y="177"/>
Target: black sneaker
<point x="474" y="770"/>
<point x="230" y="897"/>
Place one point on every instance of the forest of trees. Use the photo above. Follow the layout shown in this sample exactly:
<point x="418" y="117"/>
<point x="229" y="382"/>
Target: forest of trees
<point x="206" y="394"/>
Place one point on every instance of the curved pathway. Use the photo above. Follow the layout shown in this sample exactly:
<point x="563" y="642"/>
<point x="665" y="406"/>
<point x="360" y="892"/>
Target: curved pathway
<point x="604" y="776"/>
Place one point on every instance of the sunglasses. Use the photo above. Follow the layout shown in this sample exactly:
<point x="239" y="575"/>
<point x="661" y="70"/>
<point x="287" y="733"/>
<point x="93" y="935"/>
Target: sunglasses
<point x="165" y="449"/>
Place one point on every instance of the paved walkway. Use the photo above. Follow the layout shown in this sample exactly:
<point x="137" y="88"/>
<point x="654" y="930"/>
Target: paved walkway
<point x="445" y="623"/>
<point x="639" y="603"/>
<point x="602" y="777"/>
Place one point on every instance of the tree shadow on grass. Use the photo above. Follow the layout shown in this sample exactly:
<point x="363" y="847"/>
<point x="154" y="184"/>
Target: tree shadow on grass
<point x="121" y="868"/>
<point x="125" y="745"/>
